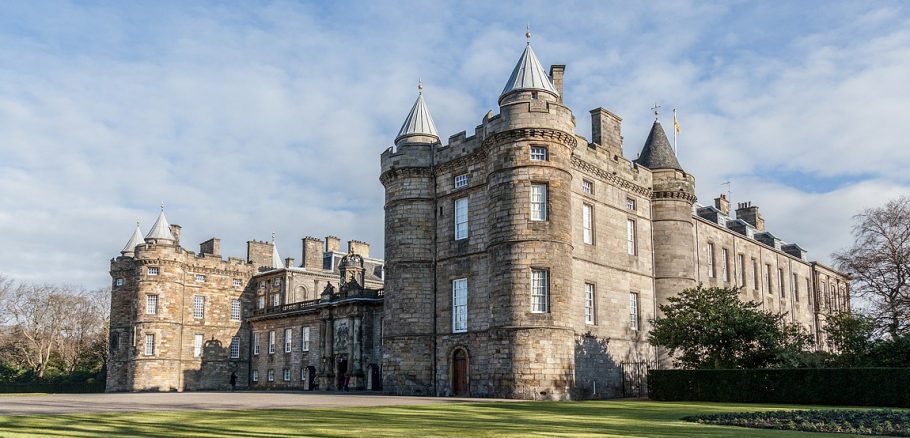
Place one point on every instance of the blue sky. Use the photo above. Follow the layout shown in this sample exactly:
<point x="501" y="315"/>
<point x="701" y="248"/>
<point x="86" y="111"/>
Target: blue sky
<point x="248" y="118"/>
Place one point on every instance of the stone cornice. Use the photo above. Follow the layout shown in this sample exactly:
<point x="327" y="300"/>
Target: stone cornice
<point x="520" y="133"/>
<point x="405" y="172"/>
<point x="615" y="180"/>
<point x="678" y="194"/>
<point x="473" y="157"/>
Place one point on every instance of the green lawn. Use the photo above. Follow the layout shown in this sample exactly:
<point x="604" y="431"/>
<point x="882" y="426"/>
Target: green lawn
<point x="600" y="418"/>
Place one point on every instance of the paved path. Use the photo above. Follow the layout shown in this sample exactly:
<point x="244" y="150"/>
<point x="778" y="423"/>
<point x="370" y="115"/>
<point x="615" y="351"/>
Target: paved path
<point x="79" y="403"/>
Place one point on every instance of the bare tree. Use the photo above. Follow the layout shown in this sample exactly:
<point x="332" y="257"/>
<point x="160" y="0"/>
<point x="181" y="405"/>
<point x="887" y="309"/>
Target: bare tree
<point x="37" y="315"/>
<point x="879" y="261"/>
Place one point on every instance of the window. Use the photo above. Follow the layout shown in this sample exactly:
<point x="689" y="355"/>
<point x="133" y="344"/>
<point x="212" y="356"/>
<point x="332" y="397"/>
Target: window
<point x="151" y="304"/>
<point x="461" y="181"/>
<point x="255" y="375"/>
<point x="630" y="204"/>
<point x="261" y="285"/>
<point x="711" y="271"/>
<point x="633" y="310"/>
<point x="276" y="300"/>
<point x="260" y="302"/>
<point x="725" y="263"/>
<point x="768" y="278"/>
<point x="288" y="333"/>
<point x="794" y="287"/>
<point x="539" y="291"/>
<point x="460" y="305"/>
<point x="255" y="344"/>
<point x="286" y="375"/>
<point x="197" y="345"/>
<point x="150" y="345"/>
<point x="630" y="236"/>
<point x="153" y="270"/>
<point x="235" y="310"/>
<point x="200" y="278"/>
<point x="780" y="283"/>
<point x="587" y="186"/>
<point x="587" y="225"/>
<point x="589" y="303"/>
<point x="235" y="347"/>
<point x="461" y="218"/>
<point x="538" y="202"/>
<point x="271" y="375"/>
<point x="303" y="374"/>
<point x="304" y="339"/>
<point x="809" y="290"/>
<point x="238" y="282"/>
<point x="118" y="282"/>
<point x="271" y="341"/>
<point x="754" y="274"/>
<point x="538" y="153"/>
<point x="742" y="270"/>
<point x="198" y="306"/>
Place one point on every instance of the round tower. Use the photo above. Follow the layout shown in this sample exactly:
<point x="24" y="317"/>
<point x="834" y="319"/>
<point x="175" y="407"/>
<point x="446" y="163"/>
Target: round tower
<point x="529" y="229"/>
<point x="407" y="175"/>
<point x="672" y="223"/>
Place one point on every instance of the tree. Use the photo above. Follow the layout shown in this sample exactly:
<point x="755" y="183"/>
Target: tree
<point x="879" y="261"/>
<point x="37" y="314"/>
<point x="714" y="328"/>
<point x="850" y="338"/>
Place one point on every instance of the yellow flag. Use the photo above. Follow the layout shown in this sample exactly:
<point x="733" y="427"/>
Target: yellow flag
<point x="676" y="123"/>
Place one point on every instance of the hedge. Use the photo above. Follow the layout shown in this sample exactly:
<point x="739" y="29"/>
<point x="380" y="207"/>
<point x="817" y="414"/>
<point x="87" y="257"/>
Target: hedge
<point x="52" y="388"/>
<point x="812" y="386"/>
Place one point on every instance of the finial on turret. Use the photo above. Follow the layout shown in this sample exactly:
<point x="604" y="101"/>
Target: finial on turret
<point x="137" y="221"/>
<point x="273" y="237"/>
<point x="528" y="33"/>
<point x="419" y="86"/>
<point x="656" y="109"/>
<point x="162" y="205"/>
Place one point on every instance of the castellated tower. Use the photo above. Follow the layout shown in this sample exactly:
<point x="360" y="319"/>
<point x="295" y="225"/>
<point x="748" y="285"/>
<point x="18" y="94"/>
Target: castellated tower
<point x="408" y="335"/>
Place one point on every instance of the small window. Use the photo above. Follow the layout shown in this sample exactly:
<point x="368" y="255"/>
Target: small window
<point x="276" y="282"/>
<point x="540" y="291"/>
<point x="533" y="95"/>
<point x="631" y="246"/>
<point x="235" y="310"/>
<point x="538" y="153"/>
<point x="149" y="344"/>
<point x="255" y="344"/>
<point x="255" y="375"/>
<point x="271" y="376"/>
<point x="589" y="303"/>
<point x="461" y="181"/>
<point x="461" y="218"/>
<point x="118" y="282"/>
<point x="197" y="345"/>
<point x="587" y="186"/>
<point x="460" y="305"/>
<point x="304" y="339"/>
<point x="261" y="285"/>
<point x="238" y="282"/>
<point x="198" y="306"/>
<point x="153" y="270"/>
<point x="235" y="347"/>
<point x="630" y="204"/>
<point x="151" y="304"/>
<point x="286" y="375"/>
<point x="200" y="278"/>
<point x="633" y="311"/>
<point x="288" y="334"/>
<point x="587" y="223"/>
<point x="538" y="202"/>
<point x="271" y="341"/>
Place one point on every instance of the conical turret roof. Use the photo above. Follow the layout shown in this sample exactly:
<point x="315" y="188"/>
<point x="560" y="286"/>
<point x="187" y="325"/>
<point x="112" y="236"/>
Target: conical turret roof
<point x="276" y="259"/>
<point x="529" y="75"/>
<point x="419" y="120"/>
<point x="137" y="239"/>
<point x="160" y="229"/>
<point x="657" y="152"/>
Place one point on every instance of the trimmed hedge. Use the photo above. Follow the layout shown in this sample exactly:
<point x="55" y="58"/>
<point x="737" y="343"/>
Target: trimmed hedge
<point x="811" y="386"/>
<point x="52" y="388"/>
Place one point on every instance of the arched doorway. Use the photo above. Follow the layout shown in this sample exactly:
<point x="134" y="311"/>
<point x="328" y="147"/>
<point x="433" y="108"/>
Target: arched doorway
<point x="310" y="378"/>
<point x="460" y="372"/>
<point x="341" y="375"/>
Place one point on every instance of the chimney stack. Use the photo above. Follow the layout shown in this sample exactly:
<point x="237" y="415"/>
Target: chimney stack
<point x="175" y="230"/>
<point x="332" y="244"/>
<point x="723" y="204"/>
<point x="557" y="71"/>
<point x="606" y="129"/>
<point x="211" y="247"/>
<point x="749" y="213"/>
<point x="289" y="262"/>
<point x="312" y="253"/>
<point x="360" y="248"/>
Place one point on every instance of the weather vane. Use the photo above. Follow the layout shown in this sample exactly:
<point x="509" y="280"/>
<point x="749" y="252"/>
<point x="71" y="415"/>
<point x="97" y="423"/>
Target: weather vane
<point x="528" y="33"/>
<point x="656" y="109"/>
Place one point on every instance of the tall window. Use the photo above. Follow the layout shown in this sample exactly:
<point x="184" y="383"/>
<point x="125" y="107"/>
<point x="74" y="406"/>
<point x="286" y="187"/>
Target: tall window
<point x="587" y="186"/>
<point x="288" y="333"/>
<point x="255" y="375"/>
<point x="538" y="153"/>
<point x="780" y="283"/>
<point x="725" y="263"/>
<point x="153" y="270"/>
<point x="460" y="305"/>
<point x="260" y="302"/>
<point x="633" y="310"/>
<point x="197" y="345"/>
<point x="286" y="374"/>
<point x="711" y="271"/>
<point x="794" y="287"/>
<point x="304" y="339"/>
<point x="149" y="344"/>
<point x="198" y="306"/>
<point x="235" y="310"/>
<point x="461" y="181"/>
<point x="768" y="279"/>
<point x="151" y="304"/>
<point x="255" y="344"/>
<point x="587" y="213"/>
<point x="271" y="341"/>
<point x="754" y="274"/>
<point x="809" y="290"/>
<point x="461" y="218"/>
<point x="270" y="375"/>
<point x="235" y="347"/>
<point x="742" y="270"/>
<point x="630" y="236"/>
<point x="589" y="303"/>
<point x="539" y="290"/>
<point x="276" y="300"/>
<point x="538" y="202"/>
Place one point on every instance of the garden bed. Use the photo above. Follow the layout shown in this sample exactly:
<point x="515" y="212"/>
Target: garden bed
<point x="887" y="422"/>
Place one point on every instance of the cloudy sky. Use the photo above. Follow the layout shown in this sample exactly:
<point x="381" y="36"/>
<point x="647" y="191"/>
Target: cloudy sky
<point x="258" y="117"/>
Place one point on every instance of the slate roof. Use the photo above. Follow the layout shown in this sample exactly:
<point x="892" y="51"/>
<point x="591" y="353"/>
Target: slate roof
<point x="419" y="121"/>
<point x="160" y="229"/>
<point x="137" y="239"/>
<point x="657" y="152"/>
<point x="529" y="75"/>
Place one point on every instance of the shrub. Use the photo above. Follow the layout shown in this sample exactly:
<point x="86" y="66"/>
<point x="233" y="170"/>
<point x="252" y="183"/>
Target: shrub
<point x="826" y="386"/>
<point x="54" y="388"/>
<point x="866" y="422"/>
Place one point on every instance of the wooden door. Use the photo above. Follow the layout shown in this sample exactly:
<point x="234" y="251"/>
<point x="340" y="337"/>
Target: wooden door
<point x="460" y="372"/>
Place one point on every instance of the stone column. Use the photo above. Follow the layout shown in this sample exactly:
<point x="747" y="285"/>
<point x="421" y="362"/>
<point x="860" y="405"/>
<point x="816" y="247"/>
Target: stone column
<point x="327" y="373"/>
<point x="357" y="346"/>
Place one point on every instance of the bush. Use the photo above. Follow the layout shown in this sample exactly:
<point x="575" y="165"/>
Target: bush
<point x="825" y="386"/>
<point x="53" y="388"/>
<point x="871" y="422"/>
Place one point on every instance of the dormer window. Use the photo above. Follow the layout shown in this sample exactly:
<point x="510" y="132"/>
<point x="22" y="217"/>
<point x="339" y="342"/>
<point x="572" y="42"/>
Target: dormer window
<point x="538" y="153"/>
